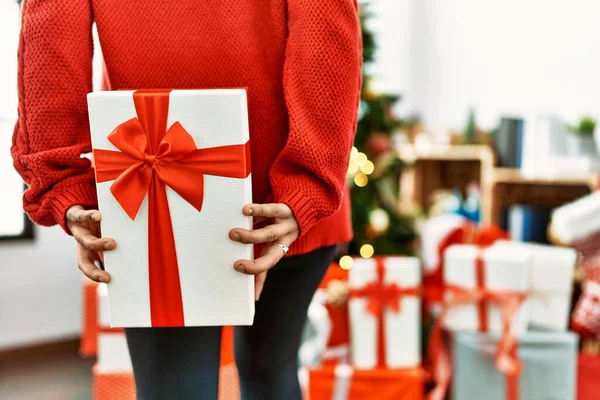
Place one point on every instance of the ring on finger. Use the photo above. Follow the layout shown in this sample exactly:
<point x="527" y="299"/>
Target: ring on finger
<point x="285" y="248"/>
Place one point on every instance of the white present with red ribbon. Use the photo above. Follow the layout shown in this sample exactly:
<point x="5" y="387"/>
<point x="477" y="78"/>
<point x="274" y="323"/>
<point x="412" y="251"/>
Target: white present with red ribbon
<point x="173" y="173"/>
<point x="552" y="270"/>
<point x="485" y="290"/>
<point x="385" y="312"/>
<point x="481" y="283"/>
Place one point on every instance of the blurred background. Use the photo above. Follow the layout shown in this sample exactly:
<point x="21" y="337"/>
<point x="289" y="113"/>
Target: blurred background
<point x="482" y="111"/>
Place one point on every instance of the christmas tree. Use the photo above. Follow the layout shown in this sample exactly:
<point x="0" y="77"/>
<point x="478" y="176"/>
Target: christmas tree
<point x="381" y="227"/>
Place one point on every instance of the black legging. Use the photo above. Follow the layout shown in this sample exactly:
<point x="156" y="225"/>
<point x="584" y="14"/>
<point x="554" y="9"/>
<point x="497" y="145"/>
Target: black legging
<point x="183" y="363"/>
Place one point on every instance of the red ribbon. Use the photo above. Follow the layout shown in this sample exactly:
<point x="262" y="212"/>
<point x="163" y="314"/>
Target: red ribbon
<point x="506" y="359"/>
<point x="382" y="296"/>
<point x="150" y="158"/>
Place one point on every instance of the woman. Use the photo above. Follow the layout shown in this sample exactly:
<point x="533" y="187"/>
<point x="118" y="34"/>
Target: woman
<point x="299" y="59"/>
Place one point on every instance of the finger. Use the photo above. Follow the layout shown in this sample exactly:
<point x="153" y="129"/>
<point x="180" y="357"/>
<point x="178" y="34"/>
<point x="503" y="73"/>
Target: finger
<point x="261" y="264"/>
<point x="268" y="234"/>
<point x="91" y="242"/>
<point x="276" y="210"/>
<point x="78" y="215"/>
<point x="259" y="284"/>
<point x="85" y="262"/>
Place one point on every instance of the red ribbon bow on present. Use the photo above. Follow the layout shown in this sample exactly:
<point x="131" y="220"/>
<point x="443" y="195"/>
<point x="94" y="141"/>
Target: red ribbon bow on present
<point x="382" y="296"/>
<point x="152" y="157"/>
<point x="506" y="359"/>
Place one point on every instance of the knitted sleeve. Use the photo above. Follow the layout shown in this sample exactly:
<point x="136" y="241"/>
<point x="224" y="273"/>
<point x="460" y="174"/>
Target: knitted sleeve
<point x="321" y="80"/>
<point x="52" y="131"/>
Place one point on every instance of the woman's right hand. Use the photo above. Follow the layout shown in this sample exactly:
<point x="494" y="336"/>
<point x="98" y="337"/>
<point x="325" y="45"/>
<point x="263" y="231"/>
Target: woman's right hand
<point x="85" y="228"/>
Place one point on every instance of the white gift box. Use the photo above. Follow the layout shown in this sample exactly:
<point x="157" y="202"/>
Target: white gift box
<point x="435" y="230"/>
<point x="402" y="335"/>
<point x="552" y="269"/>
<point x="209" y="291"/>
<point x="502" y="271"/>
<point x="113" y="353"/>
<point x="578" y="219"/>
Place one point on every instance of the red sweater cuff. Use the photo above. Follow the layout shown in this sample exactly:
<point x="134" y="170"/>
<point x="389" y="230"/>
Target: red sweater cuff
<point x="302" y="207"/>
<point x="82" y="195"/>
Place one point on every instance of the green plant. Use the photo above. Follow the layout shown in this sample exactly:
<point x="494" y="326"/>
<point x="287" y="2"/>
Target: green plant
<point x="586" y="127"/>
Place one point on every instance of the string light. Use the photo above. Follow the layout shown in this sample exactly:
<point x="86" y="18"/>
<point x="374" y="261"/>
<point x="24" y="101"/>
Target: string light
<point x="367" y="251"/>
<point x="361" y="179"/>
<point x="346" y="262"/>
<point x="352" y="168"/>
<point x="367" y="168"/>
<point x="361" y="159"/>
<point x="353" y="153"/>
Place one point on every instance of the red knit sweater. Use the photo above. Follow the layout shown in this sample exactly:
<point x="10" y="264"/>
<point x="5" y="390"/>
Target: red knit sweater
<point x="299" y="59"/>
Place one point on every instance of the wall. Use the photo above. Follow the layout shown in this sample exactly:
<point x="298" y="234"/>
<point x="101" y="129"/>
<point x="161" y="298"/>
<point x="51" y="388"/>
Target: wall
<point x="512" y="56"/>
<point x="40" y="295"/>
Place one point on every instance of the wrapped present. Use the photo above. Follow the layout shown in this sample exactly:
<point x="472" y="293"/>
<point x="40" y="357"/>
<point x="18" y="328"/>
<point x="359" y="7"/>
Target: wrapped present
<point x="341" y="382"/>
<point x="552" y="272"/>
<point x="485" y="291"/>
<point x="586" y="316"/>
<point x="588" y="384"/>
<point x="89" y="331"/>
<point x="173" y="173"/>
<point x="435" y="246"/>
<point x="577" y="220"/>
<point x="549" y="368"/>
<point x="385" y="312"/>
<point x="480" y="283"/>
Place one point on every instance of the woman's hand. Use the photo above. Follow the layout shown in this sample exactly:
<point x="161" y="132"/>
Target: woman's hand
<point x="281" y="228"/>
<point x="85" y="228"/>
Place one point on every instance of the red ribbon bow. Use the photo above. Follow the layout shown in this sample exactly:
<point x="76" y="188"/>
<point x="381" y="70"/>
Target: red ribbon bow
<point x="150" y="158"/>
<point x="382" y="296"/>
<point x="506" y="359"/>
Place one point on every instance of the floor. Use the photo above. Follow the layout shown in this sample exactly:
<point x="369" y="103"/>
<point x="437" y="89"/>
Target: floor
<point x="60" y="374"/>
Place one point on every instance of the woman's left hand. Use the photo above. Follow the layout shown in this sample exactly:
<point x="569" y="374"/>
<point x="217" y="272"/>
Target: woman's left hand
<point x="282" y="229"/>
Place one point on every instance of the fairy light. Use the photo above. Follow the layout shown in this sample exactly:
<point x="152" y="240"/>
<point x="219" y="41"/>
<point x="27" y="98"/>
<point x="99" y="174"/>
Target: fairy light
<point x="361" y="179"/>
<point x="352" y="168"/>
<point x="368" y="168"/>
<point x="367" y="251"/>
<point x="353" y="153"/>
<point x="346" y="262"/>
<point x="361" y="159"/>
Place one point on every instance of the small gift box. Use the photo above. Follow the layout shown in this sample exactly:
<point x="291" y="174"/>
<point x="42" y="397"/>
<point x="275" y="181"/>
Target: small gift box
<point x="173" y="173"/>
<point x="588" y="384"/>
<point x="577" y="220"/>
<point x="385" y="312"/>
<point x="549" y="365"/>
<point x="552" y="272"/>
<point x="486" y="289"/>
<point x="341" y="382"/>
<point x="441" y="233"/>
<point x="89" y="332"/>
